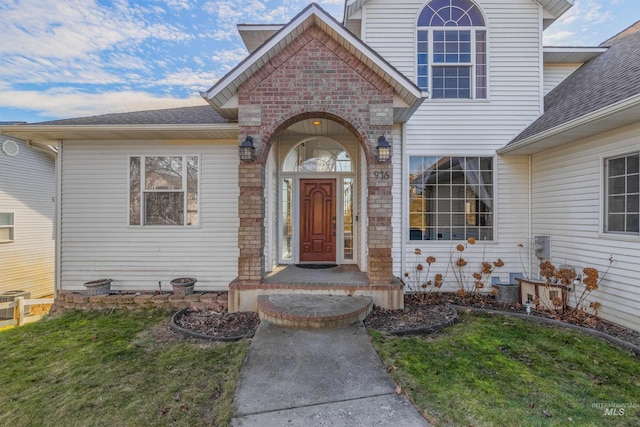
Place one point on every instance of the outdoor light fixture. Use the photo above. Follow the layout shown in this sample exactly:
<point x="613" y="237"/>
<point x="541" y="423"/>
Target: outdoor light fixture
<point x="247" y="150"/>
<point x="384" y="149"/>
<point x="316" y="122"/>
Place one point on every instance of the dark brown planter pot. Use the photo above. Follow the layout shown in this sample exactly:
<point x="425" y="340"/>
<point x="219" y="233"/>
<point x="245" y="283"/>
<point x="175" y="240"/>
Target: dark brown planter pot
<point x="183" y="286"/>
<point x="98" y="287"/>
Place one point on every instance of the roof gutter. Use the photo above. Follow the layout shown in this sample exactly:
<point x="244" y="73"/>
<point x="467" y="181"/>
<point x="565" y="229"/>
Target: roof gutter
<point x="143" y="127"/>
<point x="45" y="148"/>
<point x="600" y="114"/>
<point x="50" y="134"/>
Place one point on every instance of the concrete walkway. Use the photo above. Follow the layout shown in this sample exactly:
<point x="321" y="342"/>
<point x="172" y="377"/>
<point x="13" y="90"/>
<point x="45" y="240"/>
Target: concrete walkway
<point x="330" y="377"/>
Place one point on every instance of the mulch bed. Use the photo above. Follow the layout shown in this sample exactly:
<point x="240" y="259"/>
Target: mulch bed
<point x="422" y="314"/>
<point x="413" y="319"/>
<point x="217" y="324"/>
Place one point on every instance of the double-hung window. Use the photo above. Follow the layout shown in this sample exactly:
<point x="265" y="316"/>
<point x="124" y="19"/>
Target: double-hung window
<point x="623" y="194"/>
<point x="163" y="190"/>
<point x="450" y="198"/>
<point x="452" y="50"/>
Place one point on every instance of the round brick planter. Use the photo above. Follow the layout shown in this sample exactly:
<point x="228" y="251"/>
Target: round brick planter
<point x="98" y="287"/>
<point x="183" y="286"/>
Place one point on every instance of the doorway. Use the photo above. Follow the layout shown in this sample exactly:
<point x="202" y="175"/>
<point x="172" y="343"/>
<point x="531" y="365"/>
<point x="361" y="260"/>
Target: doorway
<point x="318" y="220"/>
<point x="318" y="201"/>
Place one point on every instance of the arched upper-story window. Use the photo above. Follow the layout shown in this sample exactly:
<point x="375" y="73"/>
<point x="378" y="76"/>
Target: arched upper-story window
<point x="452" y="50"/>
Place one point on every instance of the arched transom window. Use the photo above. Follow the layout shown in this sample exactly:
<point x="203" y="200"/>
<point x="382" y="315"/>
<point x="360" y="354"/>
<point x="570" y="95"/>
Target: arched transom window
<point x="452" y="50"/>
<point x="317" y="155"/>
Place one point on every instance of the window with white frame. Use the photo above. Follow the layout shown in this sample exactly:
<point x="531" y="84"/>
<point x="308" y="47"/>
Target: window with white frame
<point x="450" y="198"/>
<point x="163" y="190"/>
<point x="452" y="50"/>
<point x="623" y="194"/>
<point x="6" y="227"/>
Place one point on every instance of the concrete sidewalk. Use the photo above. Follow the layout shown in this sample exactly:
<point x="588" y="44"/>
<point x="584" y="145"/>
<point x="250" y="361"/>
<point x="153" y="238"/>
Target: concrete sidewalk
<point x="309" y="378"/>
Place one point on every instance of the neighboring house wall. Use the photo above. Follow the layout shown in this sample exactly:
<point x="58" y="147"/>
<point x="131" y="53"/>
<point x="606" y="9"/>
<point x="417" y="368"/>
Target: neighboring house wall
<point x="98" y="242"/>
<point x="554" y="74"/>
<point x="567" y="204"/>
<point x="470" y="127"/>
<point x="27" y="189"/>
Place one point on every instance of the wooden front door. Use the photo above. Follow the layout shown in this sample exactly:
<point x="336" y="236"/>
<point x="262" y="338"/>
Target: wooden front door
<point x="317" y="220"/>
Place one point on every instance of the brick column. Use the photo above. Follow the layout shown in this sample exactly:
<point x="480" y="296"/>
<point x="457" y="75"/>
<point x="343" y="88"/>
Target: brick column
<point x="251" y="211"/>
<point x="379" y="230"/>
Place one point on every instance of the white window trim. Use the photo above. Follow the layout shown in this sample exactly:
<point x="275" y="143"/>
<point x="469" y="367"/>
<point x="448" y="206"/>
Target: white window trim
<point x="471" y="65"/>
<point x="603" y="221"/>
<point x="412" y="244"/>
<point x="142" y="190"/>
<point x="11" y="227"/>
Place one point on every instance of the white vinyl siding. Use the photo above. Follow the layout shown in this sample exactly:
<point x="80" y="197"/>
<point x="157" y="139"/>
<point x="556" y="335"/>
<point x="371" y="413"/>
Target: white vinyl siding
<point x="27" y="191"/>
<point x="97" y="241"/>
<point x="567" y="205"/>
<point x="476" y="127"/>
<point x="554" y="74"/>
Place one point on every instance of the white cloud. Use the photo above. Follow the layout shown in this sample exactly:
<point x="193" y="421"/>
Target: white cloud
<point x="62" y="29"/>
<point x="229" y="56"/>
<point x="67" y="58"/>
<point x="65" y="102"/>
<point x="579" y="23"/>
<point x="196" y="81"/>
<point x="37" y="70"/>
<point x="178" y="4"/>
<point x="558" y="38"/>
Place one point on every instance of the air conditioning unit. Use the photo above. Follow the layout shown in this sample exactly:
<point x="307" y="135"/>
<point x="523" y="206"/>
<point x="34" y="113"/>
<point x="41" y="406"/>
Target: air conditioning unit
<point x="10" y="296"/>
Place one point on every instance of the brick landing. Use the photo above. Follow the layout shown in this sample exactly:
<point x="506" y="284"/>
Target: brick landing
<point x="313" y="311"/>
<point x="343" y="280"/>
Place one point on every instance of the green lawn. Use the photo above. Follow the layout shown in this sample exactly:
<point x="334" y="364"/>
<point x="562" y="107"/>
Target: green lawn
<point x="116" y="369"/>
<point x="493" y="370"/>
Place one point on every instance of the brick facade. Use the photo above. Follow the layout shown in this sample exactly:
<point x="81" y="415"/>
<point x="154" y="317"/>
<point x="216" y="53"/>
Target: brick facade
<point x="314" y="77"/>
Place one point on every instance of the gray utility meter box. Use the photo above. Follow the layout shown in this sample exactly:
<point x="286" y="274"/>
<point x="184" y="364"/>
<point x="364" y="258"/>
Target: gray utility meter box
<point x="542" y="246"/>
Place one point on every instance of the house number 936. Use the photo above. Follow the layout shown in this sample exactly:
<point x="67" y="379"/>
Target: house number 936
<point x="381" y="175"/>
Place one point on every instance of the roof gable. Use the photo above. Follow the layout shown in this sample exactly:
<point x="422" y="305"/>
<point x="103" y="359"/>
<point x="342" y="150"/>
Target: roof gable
<point x="223" y="95"/>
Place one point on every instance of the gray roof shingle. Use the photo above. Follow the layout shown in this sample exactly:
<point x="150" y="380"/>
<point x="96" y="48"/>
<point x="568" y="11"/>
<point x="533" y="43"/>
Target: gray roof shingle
<point x="603" y="81"/>
<point x="204" y="114"/>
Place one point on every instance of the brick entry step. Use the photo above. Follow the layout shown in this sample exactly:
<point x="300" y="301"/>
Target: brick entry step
<point x="299" y="311"/>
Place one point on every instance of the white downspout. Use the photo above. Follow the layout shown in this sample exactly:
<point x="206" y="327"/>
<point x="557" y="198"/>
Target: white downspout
<point x="404" y="203"/>
<point x="530" y="214"/>
<point x="58" y="220"/>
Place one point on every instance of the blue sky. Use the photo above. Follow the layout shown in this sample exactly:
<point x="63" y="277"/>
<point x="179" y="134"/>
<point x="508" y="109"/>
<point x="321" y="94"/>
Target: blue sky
<point x="72" y="58"/>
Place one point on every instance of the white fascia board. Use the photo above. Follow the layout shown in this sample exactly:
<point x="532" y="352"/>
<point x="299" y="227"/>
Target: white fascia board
<point x="58" y="132"/>
<point x="601" y="114"/>
<point x="312" y="13"/>
<point x="352" y="7"/>
<point x="567" y="54"/>
<point x="555" y="8"/>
